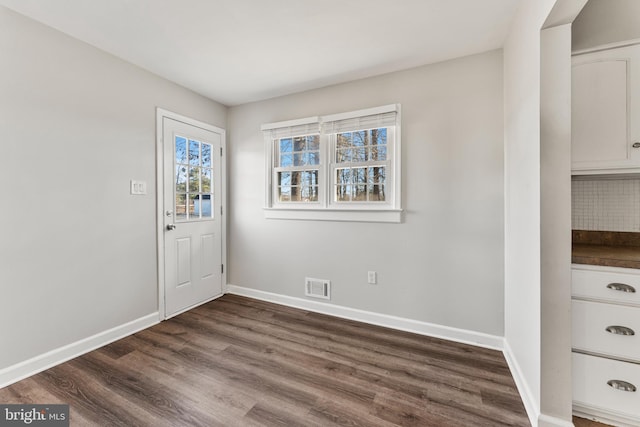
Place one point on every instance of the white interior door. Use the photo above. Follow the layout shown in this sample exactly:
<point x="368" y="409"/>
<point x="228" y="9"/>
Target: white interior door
<point x="192" y="215"/>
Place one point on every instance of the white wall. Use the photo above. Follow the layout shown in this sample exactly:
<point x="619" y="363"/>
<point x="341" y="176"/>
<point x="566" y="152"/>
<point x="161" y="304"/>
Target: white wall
<point x="522" y="196"/>
<point x="444" y="263"/>
<point x="77" y="253"/>
<point x="537" y="207"/>
<point x="555" y="223"/>
<point x="606" y="21"/>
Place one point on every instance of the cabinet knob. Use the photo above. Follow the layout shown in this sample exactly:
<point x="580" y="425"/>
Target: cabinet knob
<point x="621" y="385"/>
<point x="636" y="144"/>
<point x="620" y="330"/>
<point x="621" y="287"/>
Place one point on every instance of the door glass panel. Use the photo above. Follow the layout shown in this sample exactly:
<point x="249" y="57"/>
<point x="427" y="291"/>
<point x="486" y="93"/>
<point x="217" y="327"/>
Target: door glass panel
<point x="206" y="155"/>
<point x="181" y="207"/>
<point x="194" y="153"/>
<point x="181" y="178"/>
<point x="206" y="180"/>
<point x="181" y="150"/>
<point x="205" y="205"/>
<point x="193" y="180"/>
<point x="194" y="206"/>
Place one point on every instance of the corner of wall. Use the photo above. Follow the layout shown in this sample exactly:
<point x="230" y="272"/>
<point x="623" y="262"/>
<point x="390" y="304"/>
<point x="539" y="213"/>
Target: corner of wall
<point x="530" y="404"/>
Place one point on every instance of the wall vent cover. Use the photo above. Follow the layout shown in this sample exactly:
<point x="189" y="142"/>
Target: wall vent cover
<point x="317" y="288"/>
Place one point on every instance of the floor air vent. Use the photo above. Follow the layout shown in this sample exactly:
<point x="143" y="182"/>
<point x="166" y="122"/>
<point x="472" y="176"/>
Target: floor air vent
<point x="317" y="288"/>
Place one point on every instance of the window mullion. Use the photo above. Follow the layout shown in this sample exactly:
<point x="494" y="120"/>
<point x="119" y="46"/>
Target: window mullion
<point x="326" y="143"/>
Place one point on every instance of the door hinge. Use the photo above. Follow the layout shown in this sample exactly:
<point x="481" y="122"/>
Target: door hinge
<point x="221" y="210"/>
<point x="220" y="151"/>
<point x="222" y="268"/>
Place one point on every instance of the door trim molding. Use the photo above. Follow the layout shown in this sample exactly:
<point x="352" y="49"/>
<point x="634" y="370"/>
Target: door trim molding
<point x="161" y="114"/>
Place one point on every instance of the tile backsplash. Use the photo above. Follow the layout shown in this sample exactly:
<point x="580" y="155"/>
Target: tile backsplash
<point x="605" y="204"/>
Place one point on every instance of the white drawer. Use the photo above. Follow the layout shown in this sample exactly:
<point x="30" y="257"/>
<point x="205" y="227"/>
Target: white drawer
<point x="591" y="321"/>
<point x="590" y="388"/>
<point x="601" y="285"/>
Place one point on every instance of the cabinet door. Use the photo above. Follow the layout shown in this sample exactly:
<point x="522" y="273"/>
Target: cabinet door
<point x="605" y="108"/>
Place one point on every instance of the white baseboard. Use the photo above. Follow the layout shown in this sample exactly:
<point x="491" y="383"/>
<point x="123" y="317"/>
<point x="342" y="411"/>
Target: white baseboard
<point x="45" y="361"/>
<point x="549" y="421"/>
<point x="604" y="416"/>
<point x="530" y="404"/>
<point x="408" y="325"/>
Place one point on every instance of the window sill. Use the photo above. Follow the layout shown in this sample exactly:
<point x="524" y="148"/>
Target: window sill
<point x="361" y="215"/>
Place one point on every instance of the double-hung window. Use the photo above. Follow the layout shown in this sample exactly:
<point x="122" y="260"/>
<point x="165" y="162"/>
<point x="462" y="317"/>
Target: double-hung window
<point x="337" y="167"/>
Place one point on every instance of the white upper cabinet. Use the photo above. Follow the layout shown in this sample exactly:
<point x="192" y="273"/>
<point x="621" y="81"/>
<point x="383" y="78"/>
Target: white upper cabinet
<point x="605" y="115"/>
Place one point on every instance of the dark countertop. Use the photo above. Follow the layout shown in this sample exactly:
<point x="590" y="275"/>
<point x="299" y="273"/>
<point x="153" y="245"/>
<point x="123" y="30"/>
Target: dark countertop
<point x="606" y="248"/>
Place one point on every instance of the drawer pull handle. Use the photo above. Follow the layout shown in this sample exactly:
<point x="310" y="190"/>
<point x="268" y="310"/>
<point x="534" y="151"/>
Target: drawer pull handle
<point x="621" y="287"/>
<point x="620" y="330"/>
<point x="621" y="385"/>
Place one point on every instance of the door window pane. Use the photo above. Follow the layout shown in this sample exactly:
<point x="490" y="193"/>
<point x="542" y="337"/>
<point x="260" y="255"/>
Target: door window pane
<point x="194" y="206"/>
<point x="181" y="150"/>
<point x="194" y="153"/>
<point x="206" y="180"/>
<point x="206" y="155"/>
<point x="181" y="179"/>
<point x="181" y="207"/>
<point x="193" y="180"/>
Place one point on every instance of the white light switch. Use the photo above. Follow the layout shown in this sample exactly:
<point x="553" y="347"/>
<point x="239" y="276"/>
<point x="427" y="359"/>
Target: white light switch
<point x="372" y="277"/>
<point x="138" y="187"/>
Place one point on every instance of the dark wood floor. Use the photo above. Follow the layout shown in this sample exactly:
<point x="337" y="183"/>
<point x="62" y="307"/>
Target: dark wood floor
<point x="583" y="422"/>
<point x="242" y="362"/>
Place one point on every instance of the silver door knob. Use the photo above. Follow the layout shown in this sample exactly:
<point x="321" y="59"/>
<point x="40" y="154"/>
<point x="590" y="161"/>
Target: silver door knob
<point x="171" y="227"/>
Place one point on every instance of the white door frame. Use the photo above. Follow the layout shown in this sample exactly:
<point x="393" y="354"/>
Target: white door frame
<point x="160" y="115"/>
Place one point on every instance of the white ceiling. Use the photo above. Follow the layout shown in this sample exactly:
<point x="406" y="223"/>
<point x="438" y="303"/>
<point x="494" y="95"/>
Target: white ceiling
<point x="237" y="51"/>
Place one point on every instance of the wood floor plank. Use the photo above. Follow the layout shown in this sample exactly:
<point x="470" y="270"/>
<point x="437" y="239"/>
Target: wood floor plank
<point x="229" y="405"/>
<point x="288" y="334"/>
<point x="237" y="361"/>
<point x="491" y="368"/>
<point x="92" y="399"/>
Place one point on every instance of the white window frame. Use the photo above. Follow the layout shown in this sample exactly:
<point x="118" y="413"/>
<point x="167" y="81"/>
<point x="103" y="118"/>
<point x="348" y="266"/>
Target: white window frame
<point x="326" y="208"/>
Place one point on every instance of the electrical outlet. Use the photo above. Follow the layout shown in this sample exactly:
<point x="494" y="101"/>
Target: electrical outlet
<point x="372" y="277"/>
